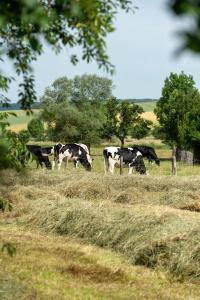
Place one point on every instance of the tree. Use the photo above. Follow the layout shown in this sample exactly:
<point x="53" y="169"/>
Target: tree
<point x="91" y="88"/>
<point x="78" y="90"/>
<point x="177" y="111"/>
<point x="74" y="109"/>
<point x="122" y="118"/>
<point x="70" y="123"/>
<point x="26" y="24"/>
<point x="36" y="129"/>
<point x="141" y="129"/>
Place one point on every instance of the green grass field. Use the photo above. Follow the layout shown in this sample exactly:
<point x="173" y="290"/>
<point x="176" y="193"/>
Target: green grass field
<point x="147" y="106"/>
<point x="21" y="120"/>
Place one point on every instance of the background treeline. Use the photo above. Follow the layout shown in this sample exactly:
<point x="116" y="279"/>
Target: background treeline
<point x="37" y="105"/>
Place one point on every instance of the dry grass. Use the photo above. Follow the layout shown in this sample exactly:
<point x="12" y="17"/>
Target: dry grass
<point x="144" y="218"/>
<point x="53" y="267"/>
<point x="149" y="115"/>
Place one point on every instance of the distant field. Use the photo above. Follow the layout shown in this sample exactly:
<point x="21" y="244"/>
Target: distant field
<point x="147" y="106"/>
<point x="20" y="122"/>
<point x="149" y="115"/>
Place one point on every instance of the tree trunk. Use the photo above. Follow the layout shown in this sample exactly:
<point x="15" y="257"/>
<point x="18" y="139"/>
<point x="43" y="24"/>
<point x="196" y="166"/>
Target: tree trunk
<point x="178" y="154"/>
<point x="184" y="156"/>
<point x="174" y="161"/>
<point x="196" y="155"/>
<point x="122" y="140"/>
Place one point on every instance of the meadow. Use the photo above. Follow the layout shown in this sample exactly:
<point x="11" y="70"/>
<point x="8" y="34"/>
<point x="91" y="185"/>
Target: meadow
<point x="87" y="235"/>
<point x="21" y="120"/>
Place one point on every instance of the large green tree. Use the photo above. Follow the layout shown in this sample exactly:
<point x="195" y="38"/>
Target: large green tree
<point x="178" y="112"/>
<point x="123" y="119"/>
<point x="91" y="88"/>
<point x="78" y="90"/>
<point x="74" y="109"/>
<point x="70" y="123"/>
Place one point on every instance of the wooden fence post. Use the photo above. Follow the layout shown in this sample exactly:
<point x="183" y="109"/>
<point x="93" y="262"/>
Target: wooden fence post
<point x="121" y="165"/>
<point x="174" y="161"/>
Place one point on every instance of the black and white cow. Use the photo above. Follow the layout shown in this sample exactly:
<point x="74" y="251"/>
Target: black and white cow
<point x="148" y="152"/>
<point x="73" y="152"/>
<point x="131" y="157"/>
<point x="41" y="154"/>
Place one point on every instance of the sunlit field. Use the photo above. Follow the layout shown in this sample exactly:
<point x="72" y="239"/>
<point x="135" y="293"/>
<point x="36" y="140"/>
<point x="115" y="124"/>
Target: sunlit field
<point x="21" y="120"/>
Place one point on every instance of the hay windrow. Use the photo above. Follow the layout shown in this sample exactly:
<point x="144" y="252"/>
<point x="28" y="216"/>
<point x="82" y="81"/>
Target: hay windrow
<point x="137" y="216"/>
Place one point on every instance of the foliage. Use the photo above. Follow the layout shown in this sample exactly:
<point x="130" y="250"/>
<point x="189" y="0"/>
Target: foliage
<point x="91" y="88"/>
<point x="78" y="90"/>
<point x="70" y="123"/>
<point x="5" y="205"/>
<point x="191" y="10"/>
<point x="111" y="112"/>
<point x="24" y="136"/>
<point x="178" y="111"/>
<point x="26" y="24"/>
<point x="12" y="145"/>
<point x="141" y="129"/>
<point x="123" y="118"/>
<point x="36" y="129"/>
<point x="9" y="248"/>
<point x="74" y="109"/>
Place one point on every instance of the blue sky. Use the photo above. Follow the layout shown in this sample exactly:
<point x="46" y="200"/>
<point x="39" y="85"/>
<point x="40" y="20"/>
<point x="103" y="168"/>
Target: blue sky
<point x="142" y="49"/>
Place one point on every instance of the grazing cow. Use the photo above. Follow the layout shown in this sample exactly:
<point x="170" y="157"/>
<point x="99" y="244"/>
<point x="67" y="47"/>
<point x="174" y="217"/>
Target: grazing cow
<point x="72" y="152"/>
<point x="147" y="152"/>
<point x="41" y="154"/>
<point x="131" y="157"/>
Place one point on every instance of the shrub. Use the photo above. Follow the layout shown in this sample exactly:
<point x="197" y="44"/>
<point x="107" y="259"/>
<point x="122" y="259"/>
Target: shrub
<point x="36" y="129"/>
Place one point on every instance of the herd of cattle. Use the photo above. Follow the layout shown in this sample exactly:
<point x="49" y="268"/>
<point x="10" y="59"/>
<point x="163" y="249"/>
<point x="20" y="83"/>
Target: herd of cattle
<point x="113" y="156"/>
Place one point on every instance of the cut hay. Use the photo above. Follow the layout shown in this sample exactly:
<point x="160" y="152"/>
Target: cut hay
<point x="140" y="217"/>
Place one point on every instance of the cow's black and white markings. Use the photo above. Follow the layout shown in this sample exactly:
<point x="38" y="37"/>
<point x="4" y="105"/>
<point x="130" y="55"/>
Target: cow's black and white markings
<point x="73" y="152"/>
<point x="131" y="157"/>
<point x="41" y="154"/>
<point x="148" y="152"/>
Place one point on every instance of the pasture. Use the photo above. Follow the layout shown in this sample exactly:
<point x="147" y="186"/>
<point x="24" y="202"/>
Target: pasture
<point x="87" y="235"/>
<point x="147" y="106"/>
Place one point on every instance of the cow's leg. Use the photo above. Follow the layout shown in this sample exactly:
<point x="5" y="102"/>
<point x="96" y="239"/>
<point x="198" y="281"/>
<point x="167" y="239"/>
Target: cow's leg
<point x="130" y="170"/>
<point x="59" y="162"/>
<point x="66" y="162"/>
<point x="54" y="162"/>
<point x="76" y="163"/>
<point x="106" y="165"/>
<point x="111" y="165"/>
<point x="40" y="162"/>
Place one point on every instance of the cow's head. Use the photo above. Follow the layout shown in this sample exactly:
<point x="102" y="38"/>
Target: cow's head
<point x="157" y="161"/>
<point x="85" y="163"/>
<point x="139" y="165"/>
